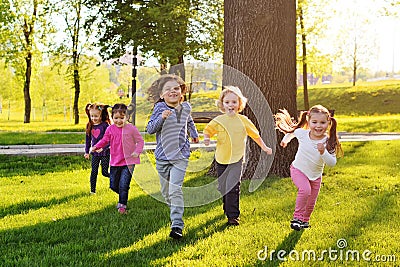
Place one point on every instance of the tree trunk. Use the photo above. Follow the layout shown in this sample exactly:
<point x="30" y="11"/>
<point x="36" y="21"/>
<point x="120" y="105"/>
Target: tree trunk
<point x="27" y="96"/>
<point x="304" y="59"/>
<point x="76" y="98"/>
<point x="260" y="42"/>
<point x="178" y="69"/>
<point x="355" y="63"/>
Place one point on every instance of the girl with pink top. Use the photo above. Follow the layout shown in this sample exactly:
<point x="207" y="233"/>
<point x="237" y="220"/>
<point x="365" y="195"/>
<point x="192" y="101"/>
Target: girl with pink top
<point x="126" y="144"/>
<point x="318" y="145"/>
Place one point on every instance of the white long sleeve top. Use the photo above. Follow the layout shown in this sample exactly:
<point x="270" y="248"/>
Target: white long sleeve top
<point x="308" y="159"/>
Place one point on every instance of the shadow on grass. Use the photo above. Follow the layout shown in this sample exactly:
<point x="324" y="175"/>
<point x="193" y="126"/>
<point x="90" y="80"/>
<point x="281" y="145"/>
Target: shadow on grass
<point x="274" y="257"/>
<point x="380" y="212"/>
<point x="26" y="166"/>
<point x="100" y="238"/>
<point x="26" y="206"/>
<point x="352" y="148"/>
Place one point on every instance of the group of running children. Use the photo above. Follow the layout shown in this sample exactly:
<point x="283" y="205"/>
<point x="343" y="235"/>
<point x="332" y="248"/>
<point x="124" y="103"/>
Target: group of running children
<point x="118" y="146"/>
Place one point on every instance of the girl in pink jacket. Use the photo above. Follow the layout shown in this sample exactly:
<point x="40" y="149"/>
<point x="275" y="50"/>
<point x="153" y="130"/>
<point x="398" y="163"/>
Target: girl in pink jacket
<point x="126" y="144"/>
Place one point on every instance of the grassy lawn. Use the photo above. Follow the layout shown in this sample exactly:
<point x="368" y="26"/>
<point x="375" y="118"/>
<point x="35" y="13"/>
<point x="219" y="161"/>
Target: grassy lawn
<point x="48" y="217"/>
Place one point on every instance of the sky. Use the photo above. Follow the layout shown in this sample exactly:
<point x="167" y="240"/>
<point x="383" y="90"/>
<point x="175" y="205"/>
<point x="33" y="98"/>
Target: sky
<point x="382" y="34"/>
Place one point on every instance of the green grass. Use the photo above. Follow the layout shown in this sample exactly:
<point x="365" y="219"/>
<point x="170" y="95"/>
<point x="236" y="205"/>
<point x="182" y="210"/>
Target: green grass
<point x="48" y="218"/>
<point x="365" y="99"/>
<point x="373" y="123"/>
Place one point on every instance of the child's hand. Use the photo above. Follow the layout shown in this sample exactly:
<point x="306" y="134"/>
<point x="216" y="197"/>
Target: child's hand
<point x="283" y="144"/>
<point x="95" y="149"/>
<point x="166" y="113"/>
<point x="267" y="150"/>
<point x="135" y="155"/>
<point x="206" y="141"/>
<point x="195" y="140"/>
<point x="87" y="156"/>
<point x="321" y="148"/>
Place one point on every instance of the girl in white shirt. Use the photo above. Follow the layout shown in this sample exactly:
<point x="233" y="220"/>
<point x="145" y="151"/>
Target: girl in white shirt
<point x="316" y="148"/>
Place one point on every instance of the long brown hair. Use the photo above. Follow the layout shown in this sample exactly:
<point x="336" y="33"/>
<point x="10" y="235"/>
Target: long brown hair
<point x="105" y="117"/>
<point x="287" y="124"/>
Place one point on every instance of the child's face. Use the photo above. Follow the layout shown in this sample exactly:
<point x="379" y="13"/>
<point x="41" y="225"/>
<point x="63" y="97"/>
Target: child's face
<point x="318" y="123"/>
<point x="231" y="104"/>
<point x="95" y="116"/>
<point x="171" y="93"/>
<point x="119" y="119"/>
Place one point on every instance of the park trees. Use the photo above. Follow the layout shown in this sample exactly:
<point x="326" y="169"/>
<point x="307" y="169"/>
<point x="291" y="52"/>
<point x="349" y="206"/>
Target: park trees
<point x="311" y="18"/>
<point x="353" y="50"/>
<point x="260" y="41"/>
<point x="24" y="26"/>
<point x="76" y="41"/>
<point x="166" y="30"/>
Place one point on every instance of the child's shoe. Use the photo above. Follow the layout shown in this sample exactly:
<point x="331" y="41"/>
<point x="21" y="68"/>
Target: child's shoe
<point x="176" y="233"/>
<point x="305" y="225"/>
<point x="122" y="209"/>
<point x="296" y="224"/>
<point x="233" y="221"/>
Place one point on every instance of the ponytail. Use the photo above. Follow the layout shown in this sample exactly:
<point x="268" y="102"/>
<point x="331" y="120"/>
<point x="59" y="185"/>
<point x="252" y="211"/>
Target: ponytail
<point x="286" y="124"/>
<point x="332" y="144"/>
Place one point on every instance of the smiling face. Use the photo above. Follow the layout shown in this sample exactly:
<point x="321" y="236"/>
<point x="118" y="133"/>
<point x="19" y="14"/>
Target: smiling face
<point x="318" y="123"/>
<point x="231" y="104"/>
<point x="95" y="116"/>
<point x="119" y="119"/>
<point x="171" y="93"/>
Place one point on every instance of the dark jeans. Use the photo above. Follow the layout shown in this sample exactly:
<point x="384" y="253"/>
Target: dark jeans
<point x="229" y="176"/>
<point x="120" y="180"/>
<point x="96" y="161"/>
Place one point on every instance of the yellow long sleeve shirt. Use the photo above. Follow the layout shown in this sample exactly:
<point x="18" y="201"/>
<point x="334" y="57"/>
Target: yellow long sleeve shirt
<point x="232" y="132"/>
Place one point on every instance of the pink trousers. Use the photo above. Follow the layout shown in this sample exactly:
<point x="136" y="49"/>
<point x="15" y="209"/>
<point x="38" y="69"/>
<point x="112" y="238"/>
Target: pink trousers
<point x="306" y="195"/>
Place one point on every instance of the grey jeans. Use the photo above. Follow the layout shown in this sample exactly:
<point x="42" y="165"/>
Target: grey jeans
<point x="171" y="174"/>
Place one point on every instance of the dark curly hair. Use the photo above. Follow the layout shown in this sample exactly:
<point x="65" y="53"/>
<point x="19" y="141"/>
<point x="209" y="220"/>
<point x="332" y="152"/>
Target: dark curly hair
<point x="156" y="87"/>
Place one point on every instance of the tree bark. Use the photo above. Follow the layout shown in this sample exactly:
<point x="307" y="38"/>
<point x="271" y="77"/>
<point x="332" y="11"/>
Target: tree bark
<point x="260" y="42"/>
<point x="27" y="96"/>
<point x="304" y="59"/>
<point x="76" y="98"/>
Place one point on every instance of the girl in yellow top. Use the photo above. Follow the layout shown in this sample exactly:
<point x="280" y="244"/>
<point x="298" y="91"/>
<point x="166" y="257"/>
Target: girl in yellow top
<point x="232" y="130"/>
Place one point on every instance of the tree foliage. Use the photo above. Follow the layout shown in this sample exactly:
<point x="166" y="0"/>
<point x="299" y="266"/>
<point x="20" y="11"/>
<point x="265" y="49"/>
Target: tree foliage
<point x="25" y="28"/>
<point x="76" y="42"/>
<point x="167" y="30"/>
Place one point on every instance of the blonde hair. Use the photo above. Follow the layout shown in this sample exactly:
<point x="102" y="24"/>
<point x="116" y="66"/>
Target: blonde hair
<point x="231" y="89"/>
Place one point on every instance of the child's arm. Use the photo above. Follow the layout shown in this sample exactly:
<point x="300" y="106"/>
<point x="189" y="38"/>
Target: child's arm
<point x="263" y="146"/>
<point x="157" y="119"/>
<point x="87" y="146"/>
<point x="328" y="158"/>
<point x="193" y="130"/>
<point x="206" y="139"/>
<point x="139" y="142"/>
<point x="286" y="139"/>
<point x="208" y="132"/>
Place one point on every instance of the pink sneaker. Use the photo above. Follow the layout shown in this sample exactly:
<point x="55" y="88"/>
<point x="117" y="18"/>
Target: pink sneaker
<point x="122" y="209"/>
